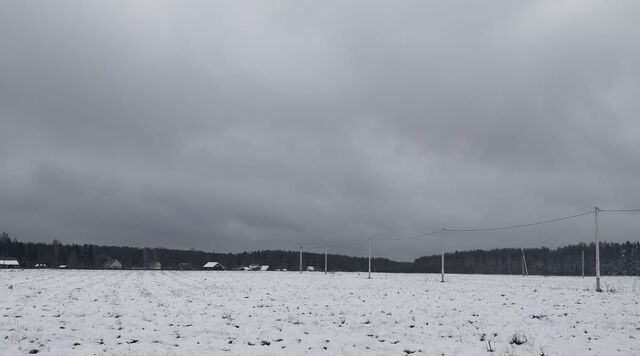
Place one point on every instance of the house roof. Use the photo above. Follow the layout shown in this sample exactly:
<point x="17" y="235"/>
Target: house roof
<point x="11" y="262"/>
<point x="264" y="268"/>
<point x="114" y="264"/>
<point x="212" y="265"/>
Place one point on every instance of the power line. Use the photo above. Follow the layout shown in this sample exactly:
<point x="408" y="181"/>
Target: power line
<point x="336" y="245"/>
<point x="349" y="244"/>
<point x="410" y="237"/>
<point x="429" y="234"/>
<point x="521" y="225"/>
<point x="312" y="247"/>
<point x="435" y="232"/>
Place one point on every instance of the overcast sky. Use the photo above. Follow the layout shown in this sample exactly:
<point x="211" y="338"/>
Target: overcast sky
<point x="230" y="126"/>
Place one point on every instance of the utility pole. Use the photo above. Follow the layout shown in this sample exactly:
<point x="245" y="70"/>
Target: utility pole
<point x="525" y="272"/>
<point x="442" y="257"/>
<point x="325" y="259"/>
<point x="300" y="260"/>
<point x="598" y="289"/>
<point x="369" y="258"/>
<point x="582" y="253"/>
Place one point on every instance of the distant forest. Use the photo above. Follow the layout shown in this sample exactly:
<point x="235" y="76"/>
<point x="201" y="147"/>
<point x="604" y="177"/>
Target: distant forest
<point x="616" y="259"/>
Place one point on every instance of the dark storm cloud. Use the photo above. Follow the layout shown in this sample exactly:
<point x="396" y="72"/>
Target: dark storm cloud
<point x="232" y="126"/>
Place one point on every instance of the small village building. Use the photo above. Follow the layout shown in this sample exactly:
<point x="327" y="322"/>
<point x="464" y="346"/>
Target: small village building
<point x="9" y="263"/>
<point x="213" y="266"/>
<point x="311" y="268"/>
<point x="264" y="267"/>
<point x="155" y="265"/>
<point x="63" y="266"/>
<point x="40" y="265"/>
<point x="114" y="264"/>
<point x="252" y="268"/>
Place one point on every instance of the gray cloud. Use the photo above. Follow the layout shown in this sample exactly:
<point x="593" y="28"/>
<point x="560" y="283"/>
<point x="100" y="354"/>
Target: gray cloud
<point x="232" y="126"/>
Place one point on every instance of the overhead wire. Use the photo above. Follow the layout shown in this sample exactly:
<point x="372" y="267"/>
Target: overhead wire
<point x="476" y="229"/>
<point x="336" y="245"/>
<point x="520" y="225"/>
<point x="413" y="237"/>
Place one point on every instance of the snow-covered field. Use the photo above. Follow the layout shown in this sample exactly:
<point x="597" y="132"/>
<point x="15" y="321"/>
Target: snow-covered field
<point x="73" y="312"/>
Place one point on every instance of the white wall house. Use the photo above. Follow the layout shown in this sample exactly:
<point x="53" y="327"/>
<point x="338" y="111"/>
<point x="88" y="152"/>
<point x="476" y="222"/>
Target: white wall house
<point x="9" y="263"/>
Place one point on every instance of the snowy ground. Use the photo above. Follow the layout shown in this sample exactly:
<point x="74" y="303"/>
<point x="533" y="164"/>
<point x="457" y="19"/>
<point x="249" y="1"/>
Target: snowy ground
<point x="72" y="312"/>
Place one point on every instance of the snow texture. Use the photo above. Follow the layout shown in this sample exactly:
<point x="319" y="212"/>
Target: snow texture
<point x="76" y="312"/>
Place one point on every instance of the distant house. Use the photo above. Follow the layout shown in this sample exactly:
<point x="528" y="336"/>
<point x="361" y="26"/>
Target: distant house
<point x="40" y="265"/>
<point x="113" y="264"/>
<point x="63" y="266"/>
<point x="155" y="265"/>
<point x="256" y="268"/>
<point x="9" y="263"/>
<point x="311" y="268"/>
<point x="213" y="266"/>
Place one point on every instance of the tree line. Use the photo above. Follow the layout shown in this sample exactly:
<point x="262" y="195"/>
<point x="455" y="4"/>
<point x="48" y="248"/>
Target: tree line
<point x="616" y="259"/>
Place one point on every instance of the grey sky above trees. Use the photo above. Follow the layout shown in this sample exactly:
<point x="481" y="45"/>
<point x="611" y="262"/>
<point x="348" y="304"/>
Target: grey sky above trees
<point x="230" y="126"/>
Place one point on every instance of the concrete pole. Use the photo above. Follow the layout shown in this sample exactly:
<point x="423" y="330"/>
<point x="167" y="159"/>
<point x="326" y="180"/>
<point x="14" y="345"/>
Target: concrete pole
<point x="525" y="271"/>
<point x="300" y="260"/>
<point x="325" y="259"/>
<point x="598" y="289"/>
<point x="522" y="261"/>
<point x="442" y="258"/>
<point x="582" y="253"/>
<point x="369" y="258"/>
